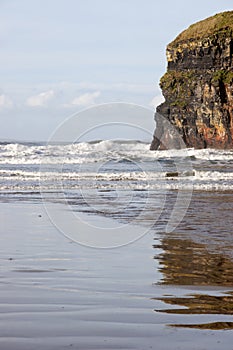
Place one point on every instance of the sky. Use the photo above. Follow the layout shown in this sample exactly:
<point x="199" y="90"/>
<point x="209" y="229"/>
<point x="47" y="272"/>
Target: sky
<point x="58" y="57"/>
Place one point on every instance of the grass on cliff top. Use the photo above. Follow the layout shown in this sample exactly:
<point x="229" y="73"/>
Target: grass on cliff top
<point x="221" y="22"/>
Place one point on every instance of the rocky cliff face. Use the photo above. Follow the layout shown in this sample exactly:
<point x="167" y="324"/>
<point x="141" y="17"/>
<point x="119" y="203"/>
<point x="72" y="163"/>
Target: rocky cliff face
<point x="198" y="84"/>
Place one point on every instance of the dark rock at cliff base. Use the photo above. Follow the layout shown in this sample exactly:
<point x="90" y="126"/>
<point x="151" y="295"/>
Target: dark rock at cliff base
<point x="198" y="85"/>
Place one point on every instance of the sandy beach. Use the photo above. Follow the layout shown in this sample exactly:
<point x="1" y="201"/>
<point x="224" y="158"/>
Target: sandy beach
<point x="56" y="294"/>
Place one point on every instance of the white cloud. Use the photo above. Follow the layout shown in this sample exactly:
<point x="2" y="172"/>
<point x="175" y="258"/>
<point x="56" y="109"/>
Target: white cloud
<point x="86" y="99"/>
<point x="5" y="101"/>
<point x="40" y="100"/>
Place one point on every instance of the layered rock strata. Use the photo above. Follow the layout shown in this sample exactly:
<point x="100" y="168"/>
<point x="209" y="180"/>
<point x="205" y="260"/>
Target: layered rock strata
<point x="198" y="85"/>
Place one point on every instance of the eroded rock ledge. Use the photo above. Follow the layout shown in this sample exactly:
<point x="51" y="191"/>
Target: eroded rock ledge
<point x="198" y="84"/>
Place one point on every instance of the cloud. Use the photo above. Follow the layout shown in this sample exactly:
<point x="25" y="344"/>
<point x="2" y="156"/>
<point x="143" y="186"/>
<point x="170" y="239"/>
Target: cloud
<point x="5" y="101"/>
<point x="40" y="100"/>
<point x="86" y="99"/>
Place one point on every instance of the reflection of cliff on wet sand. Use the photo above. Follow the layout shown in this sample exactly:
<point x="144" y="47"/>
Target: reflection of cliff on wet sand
<point x="184" y="262"/>
<point x="200" y="303"/>
<point x="214" y="325"/>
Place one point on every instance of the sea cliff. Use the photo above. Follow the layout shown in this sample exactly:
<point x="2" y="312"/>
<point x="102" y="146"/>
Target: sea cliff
<point x="198" y="85"/>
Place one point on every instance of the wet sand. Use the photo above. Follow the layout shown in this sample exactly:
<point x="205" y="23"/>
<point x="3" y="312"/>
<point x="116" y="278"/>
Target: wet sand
<point x="56" y="294"/>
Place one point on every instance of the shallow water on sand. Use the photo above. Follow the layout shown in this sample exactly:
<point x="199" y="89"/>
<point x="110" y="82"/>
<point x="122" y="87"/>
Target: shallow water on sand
<point x="164" y="291"/>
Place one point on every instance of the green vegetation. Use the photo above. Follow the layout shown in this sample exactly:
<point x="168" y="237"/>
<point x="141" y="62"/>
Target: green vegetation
<point x="221" y="24"/>
<point x="178" y="86"/>
<point x="226" y="76"/>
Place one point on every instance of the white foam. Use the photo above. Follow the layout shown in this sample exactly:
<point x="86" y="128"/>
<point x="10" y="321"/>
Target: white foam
<point x="21" y="164"/>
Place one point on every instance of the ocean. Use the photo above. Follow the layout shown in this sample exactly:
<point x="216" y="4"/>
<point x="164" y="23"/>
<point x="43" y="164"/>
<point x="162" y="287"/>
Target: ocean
<point x="28" y="168"/>
<point x="131" y="248"/>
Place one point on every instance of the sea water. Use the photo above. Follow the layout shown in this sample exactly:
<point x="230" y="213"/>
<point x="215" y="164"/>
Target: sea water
<point x="106" y="164"/>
